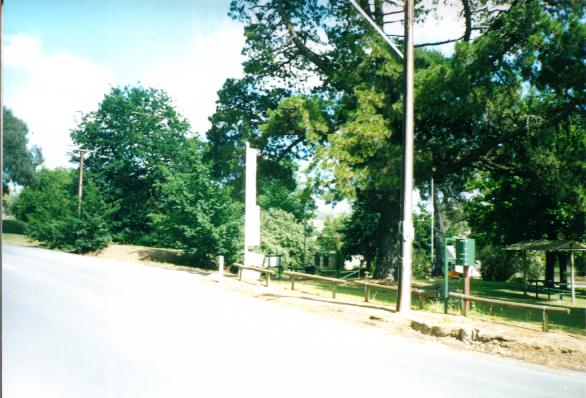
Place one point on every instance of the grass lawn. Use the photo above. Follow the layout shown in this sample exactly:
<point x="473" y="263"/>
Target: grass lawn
<point x="20" y="240"/>
<point x="575" y="322"/>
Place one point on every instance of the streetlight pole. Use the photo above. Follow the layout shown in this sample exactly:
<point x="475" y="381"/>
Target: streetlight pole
<point x="407" y="232"/>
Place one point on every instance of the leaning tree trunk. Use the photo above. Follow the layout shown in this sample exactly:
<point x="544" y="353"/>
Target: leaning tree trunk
<point x="388" y="249"/>
<point x="439" y="236"/>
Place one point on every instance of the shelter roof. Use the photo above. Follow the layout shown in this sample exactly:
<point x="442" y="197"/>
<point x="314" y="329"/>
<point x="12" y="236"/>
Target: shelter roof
<point x="548" y="245"/>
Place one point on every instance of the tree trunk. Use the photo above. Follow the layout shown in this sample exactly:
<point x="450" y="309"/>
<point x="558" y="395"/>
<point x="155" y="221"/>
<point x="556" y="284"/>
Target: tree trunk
<point x="388" y="250"/>
<point x="581" y="265"/>
<point x="564" y="260"/>
<point x="550" y="258"/>
<point x="440" y="236"/>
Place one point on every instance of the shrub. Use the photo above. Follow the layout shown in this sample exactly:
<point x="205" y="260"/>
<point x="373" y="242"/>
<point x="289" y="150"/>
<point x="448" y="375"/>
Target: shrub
<point x="49" y="207"/>
<point x="283" y="235"/>
<point x="497" y="264"/>
<point x="13" y="227"/>
<point x="197" y="216"/>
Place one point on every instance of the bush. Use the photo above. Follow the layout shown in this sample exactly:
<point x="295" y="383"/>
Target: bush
<point x="72" y="234"/>
<point x="197" y="216"/>
<point x="421" y="264"/>
<point x="283" y="235"/>
<point x="502" y="265"/>
<point x="13" y="227"/>
<point x="49" y="207"/>
<point x="497" y="264"/>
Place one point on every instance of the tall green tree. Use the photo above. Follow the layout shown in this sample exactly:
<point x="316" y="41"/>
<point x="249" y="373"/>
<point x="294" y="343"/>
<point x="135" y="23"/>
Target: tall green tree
<point x="20" y="162"/>
<point x="533" y="187"/>
<point x="359" y="78"/>
<point x="468" y="105"/>
<point x="282" y="234"/>
<point x="136" y="138"/>
<point x="241" y="110"/>
<point x="196" y="214"/>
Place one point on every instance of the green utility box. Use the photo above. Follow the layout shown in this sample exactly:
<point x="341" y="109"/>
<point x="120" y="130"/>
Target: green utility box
<point x="465" y="252"/>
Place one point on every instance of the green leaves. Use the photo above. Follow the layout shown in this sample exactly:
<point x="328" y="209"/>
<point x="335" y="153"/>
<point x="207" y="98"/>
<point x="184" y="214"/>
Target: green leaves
<point x="49" y="207"/>
<point x="283" y="235"/>
<point x="136" y="138"/>
<point x="297" y="116"/>
<point x="20" y="162"/>
<point x="197" y="215"/>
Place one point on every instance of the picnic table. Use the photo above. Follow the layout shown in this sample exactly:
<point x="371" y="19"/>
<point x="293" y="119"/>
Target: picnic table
<point x="548" y="287"/>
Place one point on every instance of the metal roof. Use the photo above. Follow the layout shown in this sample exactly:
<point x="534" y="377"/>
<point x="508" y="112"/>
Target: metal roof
<point x="548" y="245"/>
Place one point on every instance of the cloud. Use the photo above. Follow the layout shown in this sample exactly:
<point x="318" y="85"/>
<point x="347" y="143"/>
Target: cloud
<point x="194" y="79"/>
<point x="53" y="89"/>
<point x="50" y="91"/>
<point x="445" y="23"/>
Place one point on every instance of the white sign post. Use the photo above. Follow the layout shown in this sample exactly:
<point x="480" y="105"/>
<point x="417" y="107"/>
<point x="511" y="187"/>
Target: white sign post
<point x="251" y="216"/>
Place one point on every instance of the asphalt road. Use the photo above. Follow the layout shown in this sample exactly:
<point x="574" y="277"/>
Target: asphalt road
<point x="84" y="327"/>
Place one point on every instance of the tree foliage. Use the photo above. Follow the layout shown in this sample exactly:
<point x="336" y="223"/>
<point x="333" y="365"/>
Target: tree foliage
<point x="136" y="139"/>
<point x="533" y="188"/>
<point x="471" y="107"/>
<point x="282" y="234"/>
<point x="20" y="162"/>
<point x="196" y="214"/>
<point x="49" y="209"/>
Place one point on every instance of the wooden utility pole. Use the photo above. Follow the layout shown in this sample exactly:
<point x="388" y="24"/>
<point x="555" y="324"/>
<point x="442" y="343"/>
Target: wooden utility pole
<point x="404" y="297"/>
<point x="432" y="222"/>
<point x="407" y="232"/>
<point x="80" y="185"/>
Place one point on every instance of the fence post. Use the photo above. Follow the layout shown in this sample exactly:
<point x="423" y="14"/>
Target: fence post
<point x="544" y="315"/>
<point x="463" y="307"/>
<point x="220" y="269"/>
<point x="420" y="300"/>
<point x="240" y="274"/>
<point x="292" y="282"/>
<point x="366" y="293"/>
<point x="267" y="278"/>
<point x="333" y="290"/>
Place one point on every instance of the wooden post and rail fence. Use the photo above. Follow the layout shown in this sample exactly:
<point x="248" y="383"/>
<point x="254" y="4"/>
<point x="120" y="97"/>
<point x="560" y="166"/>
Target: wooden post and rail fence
<point x="262" y="270"/>
<point x="543" y="308"/>
<point x="334" y="282"/>
<point x="368" y="286"/>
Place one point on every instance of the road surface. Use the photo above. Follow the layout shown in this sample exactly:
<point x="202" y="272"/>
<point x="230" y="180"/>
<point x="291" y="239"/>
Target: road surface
<point x="78" y="326"/>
